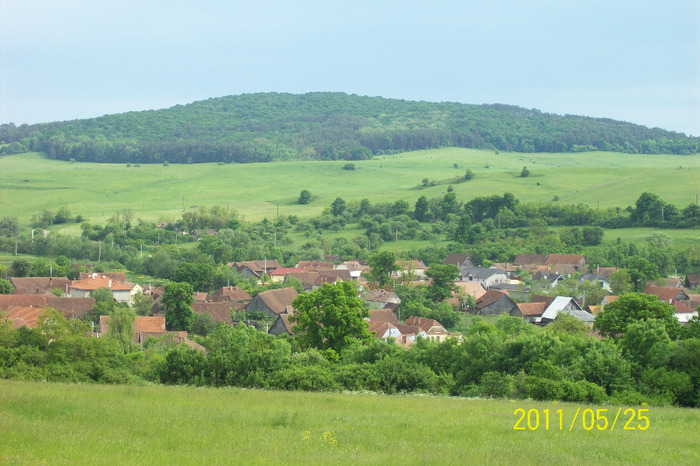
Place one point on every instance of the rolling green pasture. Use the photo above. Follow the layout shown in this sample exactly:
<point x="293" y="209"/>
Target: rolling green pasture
<point x="30" y="183"/>
<point x="103" y="424"/>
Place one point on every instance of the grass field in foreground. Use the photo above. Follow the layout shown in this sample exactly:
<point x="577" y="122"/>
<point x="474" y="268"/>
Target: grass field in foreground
<point x="30" y="183"/>
<point x="83" y="424"/>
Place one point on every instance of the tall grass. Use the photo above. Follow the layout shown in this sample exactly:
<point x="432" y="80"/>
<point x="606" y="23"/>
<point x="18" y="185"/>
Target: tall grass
<point x="84" y="424"/>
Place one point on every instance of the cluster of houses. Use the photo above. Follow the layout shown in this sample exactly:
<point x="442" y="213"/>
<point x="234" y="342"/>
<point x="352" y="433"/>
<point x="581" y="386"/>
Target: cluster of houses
<point x="483" y="291"/>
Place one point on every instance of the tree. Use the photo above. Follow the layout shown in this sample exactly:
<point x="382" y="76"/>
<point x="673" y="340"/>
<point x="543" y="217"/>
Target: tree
<point x="636" y="307"/>
<point x="330" y="318"/>
<point x="304" y="197"/>
<point x="421" y="211"/>
<point x="468" y="175"/>
<point x="121" y="327"/>
<point x="143" y="304"/>
<point x="621" y="282"/>
<point x="641" y="271"/>
<point x="177" y="302"/>
<point x="381" y="264"/>
<point x="20" y="267"/>
<point x="6" y="287"/>
<point x="524" y="173"/>
<point x="338" y="207"/>
<point x="203" y="324"/>
<point x="443" y="281"/>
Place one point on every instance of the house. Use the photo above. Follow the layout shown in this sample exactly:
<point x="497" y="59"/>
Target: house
<point x="256" y="268"/>
<point x="84" y="288"/>
<point x="549" y="280"/>
<point x="566" y="263"/>
<point x="230" y="294"/>
<point x="200" y="296"/>
<point x="433" y="329"/>
<point x="383" y="315"/>
<point x="273" y="302"/>
<point x="493" y="303"/>
<point x="152" y="326"/>
<point x="278" y="275"/>
<point x="20" y="316"/>
<point x="486" y="277"/>
<point x="684" y="313"/>
<point x="313" y="280"/>
<point x="281" y="325"/>
<point x="118" y="276"/>
<point x="544" y="310"/>
<point x="668" y="294"/>
<point x="692" y="280"/>
<point x="39" y="285"/>
<point x="410" y="269"/>
<point x="460" y="260"/>
<point x="511" y="270"/>
<point x="315" y="266"/>
<point x="69" y="307"/>
<point x="528" y="261"/>
<point x="219" y="312"/>
<point x="198" y="232"/>
<point x="597" y="279"/>
<point x="380" y="298"/>
<point x="23" y="300"/>
<point x="355" y="268"/>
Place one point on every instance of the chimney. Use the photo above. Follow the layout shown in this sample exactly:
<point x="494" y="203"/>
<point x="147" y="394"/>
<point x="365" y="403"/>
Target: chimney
<point x="109" y="284"/>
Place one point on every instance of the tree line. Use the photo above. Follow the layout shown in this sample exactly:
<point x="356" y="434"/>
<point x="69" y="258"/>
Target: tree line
<point x="326" y="126"/>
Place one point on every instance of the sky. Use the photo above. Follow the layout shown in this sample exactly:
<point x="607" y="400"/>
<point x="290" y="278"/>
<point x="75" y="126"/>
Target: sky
<point x="636" y="61"/>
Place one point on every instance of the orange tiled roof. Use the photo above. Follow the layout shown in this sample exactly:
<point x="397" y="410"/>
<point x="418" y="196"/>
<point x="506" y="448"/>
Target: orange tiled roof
<point x="96" y="281"/>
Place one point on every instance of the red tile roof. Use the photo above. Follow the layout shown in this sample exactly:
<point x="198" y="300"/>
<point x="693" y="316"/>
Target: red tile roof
<point x="383" y="315"/>
<point x="532" y="309"/>
<point x="28" y="316"/>
<point x="38" y="285"/>
<point x="96" y="281"/>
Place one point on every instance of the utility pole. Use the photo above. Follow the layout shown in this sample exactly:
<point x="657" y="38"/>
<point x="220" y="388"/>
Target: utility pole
<point x="99" y="252"/>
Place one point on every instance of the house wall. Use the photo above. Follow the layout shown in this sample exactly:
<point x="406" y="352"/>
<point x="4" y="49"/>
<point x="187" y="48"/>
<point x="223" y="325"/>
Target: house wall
<point x="502" y="306"/>
<point x="257" y="304"/>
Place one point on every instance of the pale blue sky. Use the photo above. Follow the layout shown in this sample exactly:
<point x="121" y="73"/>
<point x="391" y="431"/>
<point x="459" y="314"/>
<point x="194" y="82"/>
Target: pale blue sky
<point x="636" y="61"/>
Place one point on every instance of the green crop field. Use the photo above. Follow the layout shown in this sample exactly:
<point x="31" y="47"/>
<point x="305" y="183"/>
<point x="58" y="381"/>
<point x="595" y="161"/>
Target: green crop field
<point x="104" y="424"/>
<point x="30" y="183"/>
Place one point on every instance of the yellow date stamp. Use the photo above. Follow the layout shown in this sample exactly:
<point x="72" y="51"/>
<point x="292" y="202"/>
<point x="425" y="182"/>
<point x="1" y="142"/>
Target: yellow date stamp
<point x="589" y="419"/>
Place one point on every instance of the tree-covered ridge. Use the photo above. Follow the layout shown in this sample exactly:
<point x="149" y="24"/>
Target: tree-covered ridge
<point x="272" y="126"/>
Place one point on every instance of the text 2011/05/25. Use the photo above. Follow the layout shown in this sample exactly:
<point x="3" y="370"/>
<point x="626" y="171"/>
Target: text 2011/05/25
<point x="598" y="418"/>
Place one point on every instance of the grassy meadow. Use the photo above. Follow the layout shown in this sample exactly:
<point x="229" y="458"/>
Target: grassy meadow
<point x="30" y="183"/>
<point x="103" y="424"/>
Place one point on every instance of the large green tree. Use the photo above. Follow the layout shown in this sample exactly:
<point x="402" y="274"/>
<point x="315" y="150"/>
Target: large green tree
<point x="381" y="264"/>
<point x="330" y="318"/>
<point x="177" y="301"/>
<point x="442" y="281"/>
<point x="634" y="308"/>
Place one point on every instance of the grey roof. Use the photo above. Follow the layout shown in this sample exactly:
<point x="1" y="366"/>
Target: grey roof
<point x="581" y="315"/>
<point x="480" y="272"/>
<point x="592" y="277"/>
<point x="559" y="303"/>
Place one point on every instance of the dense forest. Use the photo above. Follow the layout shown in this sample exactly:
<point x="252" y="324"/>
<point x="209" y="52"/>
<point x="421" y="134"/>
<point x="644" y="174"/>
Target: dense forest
<point x="326" y="126"/>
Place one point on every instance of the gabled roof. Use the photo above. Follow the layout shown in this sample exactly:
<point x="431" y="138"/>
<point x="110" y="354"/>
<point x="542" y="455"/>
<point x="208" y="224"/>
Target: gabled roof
<point x="665" y="293"/>
<point x="488" y="298"/>
<point x="430" y="326"/>
<point x="38" y="285"/>
<point x="383" y="315"/>
<point x="258" y="267"/>
<point x="531" y="309"/>
<point x="550" y="277"/>
<point x="471" y="288"/>
<point x="481" y="272"/>
<point x="278" y="300"/>
<point x="219" y="312"/>
<point x="118" y="276"/>
<point x="282" y="271"/>
<point x="200" y="296"/>
<point x="20" y="315"/>
<point x="96" y="281"/>
<point x="605" y="272"/>
<point x="692" y="278"/>
<point x="384" y="329"/>
<point x="312" y="266"/>
<point x="530" y="259"/>
<point x="23" y="300"/>
<point x="410" y="264"/>
<point x="456" y="259"/>
<point x="283" y="319"/>
<point x="558" y="305"/>
<point x="561" y="259"/>
<point x="230" y="293"/>
<point x="142" y="324"/>
<point x="71" y="307"/>
<point x="380" y="295"/>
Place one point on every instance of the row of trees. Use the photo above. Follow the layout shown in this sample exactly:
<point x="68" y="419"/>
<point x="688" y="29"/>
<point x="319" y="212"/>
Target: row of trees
<point x="265" y="127"/>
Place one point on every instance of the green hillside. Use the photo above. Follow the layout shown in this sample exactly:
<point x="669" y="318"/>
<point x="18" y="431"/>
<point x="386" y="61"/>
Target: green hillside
<point x="327" y="126"/>
<point x="29" y="183"/>
<point x="104" y="424"/>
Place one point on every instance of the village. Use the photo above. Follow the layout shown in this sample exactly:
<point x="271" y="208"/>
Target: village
<point x="477" y="291"/>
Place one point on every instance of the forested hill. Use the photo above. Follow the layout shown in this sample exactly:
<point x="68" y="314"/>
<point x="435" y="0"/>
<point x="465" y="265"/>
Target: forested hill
<point x="272" y="126"/>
